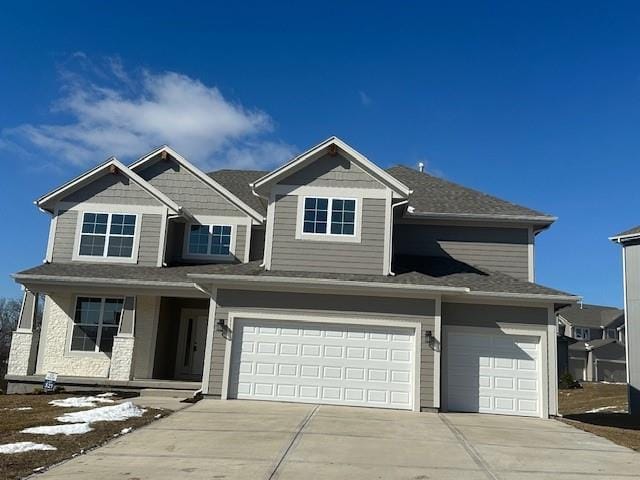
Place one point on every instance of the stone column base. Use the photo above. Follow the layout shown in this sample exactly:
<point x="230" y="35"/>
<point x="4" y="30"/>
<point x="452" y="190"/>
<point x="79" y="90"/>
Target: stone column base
<point x="22" y="357"/>
<point x="121" y="358"/>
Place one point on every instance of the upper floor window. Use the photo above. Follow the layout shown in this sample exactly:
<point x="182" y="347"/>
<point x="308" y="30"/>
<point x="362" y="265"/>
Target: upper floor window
<point x="611" y="333"/>
<point x="334" y="216"/>
<point x="107" y="235"/>
<point x="581" y="333"/>
<point x="95" y="323"/>
<point x="209" y="240"/>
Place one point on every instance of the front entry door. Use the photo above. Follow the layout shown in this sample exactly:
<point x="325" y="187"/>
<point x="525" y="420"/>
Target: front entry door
<point x="191" y="343"/>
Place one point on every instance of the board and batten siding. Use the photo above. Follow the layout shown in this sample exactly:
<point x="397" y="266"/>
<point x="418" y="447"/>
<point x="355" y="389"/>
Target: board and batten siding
<point x="332" y="171"/>
<point x="65" y="234"/>
<point x="112" y="189"/>
<point x="366" y="307"/>
<point x="503" y="250"/>
<point x="187" y="190"/>
<point x="291" y="254"/>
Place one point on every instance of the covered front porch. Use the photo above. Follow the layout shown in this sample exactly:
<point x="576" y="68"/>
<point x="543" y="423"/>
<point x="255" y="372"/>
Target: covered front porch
<point x="151" y="342"/>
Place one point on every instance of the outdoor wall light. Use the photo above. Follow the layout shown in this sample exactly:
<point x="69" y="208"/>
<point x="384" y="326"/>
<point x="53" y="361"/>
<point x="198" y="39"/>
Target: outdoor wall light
<point x="220" y="325"/>
<point x="428" y="337"/>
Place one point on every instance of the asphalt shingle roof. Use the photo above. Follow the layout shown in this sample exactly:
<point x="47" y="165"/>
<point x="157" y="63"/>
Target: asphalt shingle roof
<point x="631" y="231"/>
<point x="237" y="182"/>
<point x="436" y="195"/>
<point x="591" y="315"/>
<point x="430" y="194"/>
<point x="424" y="271"/>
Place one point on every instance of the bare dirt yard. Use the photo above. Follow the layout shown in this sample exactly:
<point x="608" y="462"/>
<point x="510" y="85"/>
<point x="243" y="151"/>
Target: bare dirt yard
<point x="601" y="408"/>
<point x="18" y="412"/>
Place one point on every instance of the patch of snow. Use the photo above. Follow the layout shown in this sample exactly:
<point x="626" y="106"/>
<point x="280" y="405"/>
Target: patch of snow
<point x="115" y="413"/>
<point x="602" y="409"/>
<point x="22" y="409"/>
<point x="106" y="394"/>
<point x="80" y="402"/>
<point x="20" y="447"/>
<point x="124" y="431"/>
<point x="157" y="416"/>
<point x="71" y="429"/>
<point x="614" y="383"/>
<point x="411" y="209"/>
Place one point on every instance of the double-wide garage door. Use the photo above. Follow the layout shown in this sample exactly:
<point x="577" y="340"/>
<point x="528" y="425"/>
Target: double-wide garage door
<point x="493" y="373"/>
<point x="323" y="363"/>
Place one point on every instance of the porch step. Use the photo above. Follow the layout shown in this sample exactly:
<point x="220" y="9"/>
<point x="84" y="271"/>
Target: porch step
<point x="166" y="392"/>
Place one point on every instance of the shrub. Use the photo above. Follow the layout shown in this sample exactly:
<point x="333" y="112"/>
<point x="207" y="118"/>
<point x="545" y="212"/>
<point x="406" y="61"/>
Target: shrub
<point x="568" y="382"/>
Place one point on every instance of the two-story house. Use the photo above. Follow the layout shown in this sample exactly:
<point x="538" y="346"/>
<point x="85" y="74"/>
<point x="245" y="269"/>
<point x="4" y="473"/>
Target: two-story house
<point x="630" y="241"/>
<point x="598" y="353"/>
<point x="328" y="280"/>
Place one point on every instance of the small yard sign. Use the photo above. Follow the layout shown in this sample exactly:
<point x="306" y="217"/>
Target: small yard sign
<point x="50" y="382"/>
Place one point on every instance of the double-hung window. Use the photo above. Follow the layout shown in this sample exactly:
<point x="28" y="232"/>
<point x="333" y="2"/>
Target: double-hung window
<point x="95" y="323"/>
<point x="329" y="216"/>
<point x="110" y="235"/>
<point x="209" y="240"/>
<point x="582" y="333"/>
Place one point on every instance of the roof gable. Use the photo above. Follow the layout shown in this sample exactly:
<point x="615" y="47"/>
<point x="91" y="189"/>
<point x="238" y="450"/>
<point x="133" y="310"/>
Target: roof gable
<point x="593" y="316"/>
<point x="331" y="147"/>
<point x="112" y="167"/>
<point x="167" y="153"/>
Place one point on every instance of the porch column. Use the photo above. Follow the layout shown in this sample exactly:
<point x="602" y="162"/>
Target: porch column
<point x="123" y="343"/>
<point x="24" y="342"/>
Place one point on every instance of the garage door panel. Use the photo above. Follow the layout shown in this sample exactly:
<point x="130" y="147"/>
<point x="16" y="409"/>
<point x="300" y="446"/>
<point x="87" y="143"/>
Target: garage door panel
<point x="295" y="361"/>
<point x="493" y="373"/>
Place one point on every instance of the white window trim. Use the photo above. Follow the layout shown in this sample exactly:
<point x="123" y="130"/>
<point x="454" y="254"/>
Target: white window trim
<point x="584" y="334"/>
<point x="104" y="258"/>
<point x="193" y="256"/>
<point x="328" y="236"/>
<point x="72" y="318"/>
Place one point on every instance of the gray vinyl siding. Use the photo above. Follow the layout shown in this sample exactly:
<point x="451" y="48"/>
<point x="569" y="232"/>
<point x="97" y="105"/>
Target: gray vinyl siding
<point x="500" y="249"/>
<point x="267" y="303"/>
<point x="332" y="171"/>
<point x="176" y="237"/>
<point x="491" y="316"/>
<point x="113" y="189"/>
<point x="65" y="233"/>
<point x="149" y="240"/>
<point x="187" y="190"/>
<point x="64" y="236"/>
<point x="291" y="254"/>
<point x="632" y="307"/>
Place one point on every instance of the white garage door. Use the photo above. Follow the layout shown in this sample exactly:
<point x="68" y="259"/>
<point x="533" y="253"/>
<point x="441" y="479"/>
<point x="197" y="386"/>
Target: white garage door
<point x="493" y="373"/>
<point x="322" y="363"/>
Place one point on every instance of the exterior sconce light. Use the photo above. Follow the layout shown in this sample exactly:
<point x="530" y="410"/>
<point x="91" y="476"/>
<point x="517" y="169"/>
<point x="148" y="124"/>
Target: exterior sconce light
<point x="428" y="337"/>
<point x="220" y="325"/>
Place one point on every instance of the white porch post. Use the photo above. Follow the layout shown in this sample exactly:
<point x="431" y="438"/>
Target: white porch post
<point x="24" y="342"/>
<point x="208" y="349"/>
<point x="123" y="343"/>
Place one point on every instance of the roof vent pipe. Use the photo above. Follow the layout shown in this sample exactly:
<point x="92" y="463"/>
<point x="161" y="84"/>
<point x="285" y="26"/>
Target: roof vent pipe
<point x="421" y="167"/>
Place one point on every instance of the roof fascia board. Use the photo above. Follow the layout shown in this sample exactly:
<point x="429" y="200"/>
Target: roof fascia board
<point x="149" y="157"/>
<point x="542" y="220"/>
<point x="309" y="155"/>
<point x="96" y="172"/>
<point x="625" y="238"/>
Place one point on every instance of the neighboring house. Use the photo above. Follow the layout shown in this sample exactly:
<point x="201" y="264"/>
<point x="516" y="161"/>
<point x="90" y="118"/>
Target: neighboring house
<point x="630" y="241"/>
<point x="592" y="338"/>
<point x="327" y="280"/>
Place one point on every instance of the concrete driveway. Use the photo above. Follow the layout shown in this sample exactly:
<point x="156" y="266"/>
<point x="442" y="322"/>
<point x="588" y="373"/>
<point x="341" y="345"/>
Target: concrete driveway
<point x="264" y="440"/>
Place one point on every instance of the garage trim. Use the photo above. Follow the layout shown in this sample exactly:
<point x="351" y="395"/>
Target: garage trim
<point x="507" y="329"/>
<point x="316" y="318"/>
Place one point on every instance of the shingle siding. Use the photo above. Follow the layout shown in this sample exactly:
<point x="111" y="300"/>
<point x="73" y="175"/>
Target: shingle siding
<point x="187" y="190"/>
<point x="503" y="250"/>
<point x="112" y="189"/>
<point x="289" y="253"/>
<point x="149" y="240"/>
<point x="64" y="236"/>
<point x="332" y="171"/>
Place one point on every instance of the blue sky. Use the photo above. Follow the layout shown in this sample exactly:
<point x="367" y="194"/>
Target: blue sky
<point x="533" y="102"/>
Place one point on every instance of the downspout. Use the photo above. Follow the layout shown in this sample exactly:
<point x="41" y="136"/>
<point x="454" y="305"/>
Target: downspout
<point x="404" y="202"/>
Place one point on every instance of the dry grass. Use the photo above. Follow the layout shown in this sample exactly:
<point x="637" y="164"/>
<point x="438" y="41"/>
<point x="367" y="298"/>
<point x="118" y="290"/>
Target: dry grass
<point x="613" y="423"/>
<point x="13" y="466"/>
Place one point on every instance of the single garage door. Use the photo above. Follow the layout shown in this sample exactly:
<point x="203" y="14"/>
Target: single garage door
<point x="322" y="363"/>
<point x="493" y="373"/>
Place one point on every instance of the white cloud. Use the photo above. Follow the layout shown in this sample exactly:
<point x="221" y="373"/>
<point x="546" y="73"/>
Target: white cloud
<point x="109" y="111"/>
